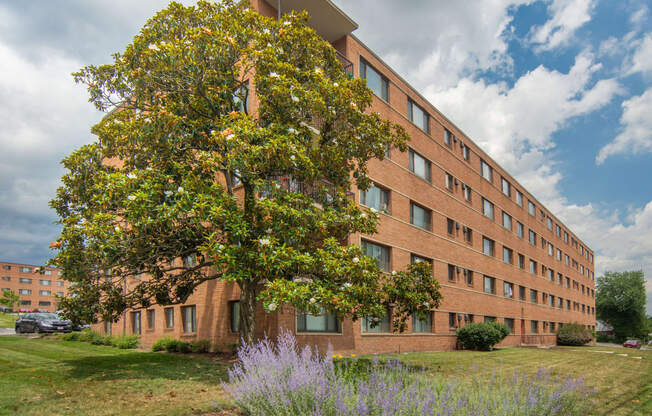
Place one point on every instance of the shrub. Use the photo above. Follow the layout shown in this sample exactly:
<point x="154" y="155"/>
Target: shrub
<point x="176" y="345"/>
<point x="605" y="338"/>
<point x="161" y="344"/>
<point x="307" y="383"/>
<point x="574" y="334"/>
<point x="201" y="345"/>
<point x="481" y="336"/>
<point x="70" y="336"/>
<point x="126" y="342"/>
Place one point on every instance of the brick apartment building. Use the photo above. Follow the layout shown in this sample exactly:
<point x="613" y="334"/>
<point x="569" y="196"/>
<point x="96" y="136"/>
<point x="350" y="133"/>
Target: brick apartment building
<point x="498" y="253"/>
<point x="36" y="290"/>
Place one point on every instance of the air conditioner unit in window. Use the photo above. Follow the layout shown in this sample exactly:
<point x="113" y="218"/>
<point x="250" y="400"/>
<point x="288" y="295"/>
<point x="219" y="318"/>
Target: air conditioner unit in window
<point x="460" y="316"/>
<point x="457" y="225"/>
<point x="459" y="269"/>
<point x="465" y="228"/>
<point x="456" y="182"/>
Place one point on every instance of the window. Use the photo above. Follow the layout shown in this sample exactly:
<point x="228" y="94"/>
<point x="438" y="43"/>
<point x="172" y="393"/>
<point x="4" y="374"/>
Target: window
<point x="47" y="272"/>
<point x="488" y="246"/>
<point x="521" y="293"/>
<point x="560" y="302"/>
<point x="582" y="270"/>
<point x="507" y="221"/>
<point x="550" y="249"/>
<point x="375" y="197"/>
<point x="531" y="209"/>
<point x="44" y="303"/>
<point x="558" y="254"/>
<point x="324" y="322"/>
<point x="450" y="226"/>
<point x="422" y="325"/>
<point x="448" y="138"/>
<point x="552" y="327"/>
<point x="565" y="237"/>
<point x="549" y="223"/>
<point x="566" y="259"/>
<point x="419" y="165"/>
<point x="468" y="318"/>
<point x="25" y="280"/>
<point x="44" y="293"/>
<point x="468" y="234"/>
<point x="241" y="99"/>
<point x="451" y="273"/>
<point x="533" y="238"/>
<point x="418" y="116"/>
<point x="46" y="282"/>
<point x="189" y="317"/>
<point x="558" y="230"/>
<point x="489" y="285"/>
<point x="59" y="293"/>
<point x="487" y="171"/>
<point x="449" y="181"/>
<point x="420" y="216"/>
<point x="505" y="187"/>
<point x="6" y="278"/>
<point x="24" y="291"/>
<point x="488" y="319"/>
<point x="190" y="261"/>
<point x="418" y="259"/>
<point x="468" y="277"/>
<point x="135" y="323"/>
<point x="375" y="81"/>
<point x="521" y="261"/>
<point x="508" y="290"/>
<point x="467" y="192"/>
<point x="25" y="302"/>
<point x="6" y="267"/>
<point x="559" y="279"/>
<point x="519" y="229"/>
<point x="60" y="283"/>
<point x="534" y="326"/>
<point x="26" y="270"/>
<point x="452" y="320"/>
<point x="371" y="325"/>
<point x="380" y="253"/>
<point x="465" y="151"/>
<point x="487" y="209"/>
<point x="508" y="255"/>
<point x="107" y="327"/>
<point x="533" y="296"/>
<point x="551" y="301"/>
<point x="169" y="318"/>
<point x="519" y="197"/>
<point x="533" y="267"/>
<point x="151" y="318"/>
<point x="509" y="323"/>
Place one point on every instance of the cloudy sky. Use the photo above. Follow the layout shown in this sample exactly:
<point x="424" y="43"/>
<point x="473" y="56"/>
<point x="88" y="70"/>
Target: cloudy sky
<point x="557" y="91"/>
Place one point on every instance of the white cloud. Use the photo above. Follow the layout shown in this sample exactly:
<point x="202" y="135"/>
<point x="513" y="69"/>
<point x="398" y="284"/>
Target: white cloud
<point x="636" y="136"/>
<point x="567" y="17"/>
<point x="641" y="61"/>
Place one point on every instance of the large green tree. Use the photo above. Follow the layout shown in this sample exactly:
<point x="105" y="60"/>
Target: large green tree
<point x="620" y="300"/>
<point x="9" y="299"/>
<point x="181" y="169"/>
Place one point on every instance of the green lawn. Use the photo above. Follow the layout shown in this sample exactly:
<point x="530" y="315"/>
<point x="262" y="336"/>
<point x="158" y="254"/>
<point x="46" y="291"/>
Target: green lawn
<point x="7" y="320"/>
<point x="623" y="384"/>
<point x="48" y="377"/>
<point x="44" y="376"/>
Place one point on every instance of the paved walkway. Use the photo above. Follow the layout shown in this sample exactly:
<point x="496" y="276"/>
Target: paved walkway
<point x="7" y="331"/>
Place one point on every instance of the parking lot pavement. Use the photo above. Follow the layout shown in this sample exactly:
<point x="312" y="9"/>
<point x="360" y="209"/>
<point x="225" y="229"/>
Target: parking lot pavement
<point x="7" y="331"/>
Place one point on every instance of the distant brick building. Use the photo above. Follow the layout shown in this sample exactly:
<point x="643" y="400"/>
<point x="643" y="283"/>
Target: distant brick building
<point x="498" y="253"/>
<point x="36" y="290"/>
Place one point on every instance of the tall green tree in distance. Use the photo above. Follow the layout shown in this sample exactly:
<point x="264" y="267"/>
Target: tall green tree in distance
<point x="10" y="299"/>
<point x="182" y="170"/>
<point x="620" y="300"/>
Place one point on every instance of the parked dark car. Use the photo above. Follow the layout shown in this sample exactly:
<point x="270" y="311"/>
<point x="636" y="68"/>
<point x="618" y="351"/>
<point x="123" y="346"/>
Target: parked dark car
<point x="632" y="343"/>
<point x="42" y="322"/>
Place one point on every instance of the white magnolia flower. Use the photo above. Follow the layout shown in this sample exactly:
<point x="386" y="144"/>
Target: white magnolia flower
<point x="264" y="241"/>
<point x="318" y="70"/>
<point x="277" y="186"/>
<point x="363" y="215"/>
<point x="273" y="75"/>
<point x="286" y="23"/>
<point x="335" y="84"/>
<point x="426" y="304"/>
<point x="153" y="47"/>
<point x="131" y="176"/>
<point x="313" y="300"/>
<point x="230" y="136"/>
<point x="271" y="307"/>
<point x="212" y="132"/>
<point x="266" y="31"/>
<point x="180" y="189"/>
<point x="168" y="193"/>
<point x="347" y="284"/>
<point x="355" y="260"/>
<point x="393" y="272"/>
<point x="117" y="228"/>
<point x="292" y="130"/>
<point x="372" y="209"/>
<point x="131" y="197"/>
<point x="295" y="99"/>
<point x="148" y="168"/>
<point x="292" y="157"/>
<point x="269" y="231"/>
<point x="221" y="247"/>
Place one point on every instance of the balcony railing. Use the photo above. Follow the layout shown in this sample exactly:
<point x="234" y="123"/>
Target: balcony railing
<point x="346" y="64"/>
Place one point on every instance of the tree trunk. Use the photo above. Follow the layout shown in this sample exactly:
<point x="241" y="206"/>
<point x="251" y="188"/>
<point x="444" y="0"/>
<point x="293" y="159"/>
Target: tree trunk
<point x="248" y="311"/>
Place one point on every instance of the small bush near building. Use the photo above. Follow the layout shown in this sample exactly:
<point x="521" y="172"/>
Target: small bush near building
<point x="574" y="334"/>
<point x="126" y="342"/>
<point x="200" y="346"/>
<point x="481" y="336"/>
<point x="161" y="344"/>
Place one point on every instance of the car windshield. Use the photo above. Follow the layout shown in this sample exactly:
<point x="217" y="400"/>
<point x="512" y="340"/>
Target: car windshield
<point x="46" y="316"/>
